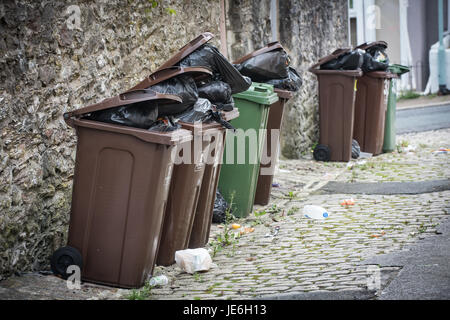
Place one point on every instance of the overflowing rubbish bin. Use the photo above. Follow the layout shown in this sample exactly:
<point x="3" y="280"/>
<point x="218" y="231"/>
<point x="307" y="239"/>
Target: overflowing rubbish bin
<point x="243" y="148"/>
<point x="120" y="187"/>
<point x="389" y="128"/>
<point x="371" y="98"/>
<point x="190" y="200"/>
<point x="337" y="75"/>
<point x="204" y="211"/>
<point x="270" y="64"/>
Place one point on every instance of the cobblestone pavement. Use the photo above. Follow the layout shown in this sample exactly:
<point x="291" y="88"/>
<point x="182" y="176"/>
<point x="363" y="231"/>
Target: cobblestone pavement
<point x="305" y="255"/>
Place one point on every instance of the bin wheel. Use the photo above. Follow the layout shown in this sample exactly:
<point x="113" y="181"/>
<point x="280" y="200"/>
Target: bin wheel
<point x="322" y="153"/>
<point x="63" y="258"/>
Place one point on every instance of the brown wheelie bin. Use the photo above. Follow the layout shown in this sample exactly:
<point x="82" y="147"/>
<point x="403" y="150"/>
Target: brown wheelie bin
<point x="337" y="92"/>
<point x="186" y="178"/>
<point x="120" y="187"/>
<point x="274" y="121"/>
<point x="204" y="212"/>
<point x="370" y="107"/>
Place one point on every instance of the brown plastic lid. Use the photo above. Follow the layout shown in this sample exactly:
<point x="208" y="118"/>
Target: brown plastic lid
<point x="334" y="55"/>
<point x="170" y="72"/>
<point x="381" y="74"/>
<point x="126" y="98"/>
<point x="187" y="50"/>
<point x="269" y="47"/>
<point x="367" y="45"/>
<point x="168" y="138"/>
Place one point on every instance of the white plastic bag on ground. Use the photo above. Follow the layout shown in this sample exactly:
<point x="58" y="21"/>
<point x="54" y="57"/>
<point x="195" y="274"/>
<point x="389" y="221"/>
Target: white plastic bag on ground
<point x="315" y="212"/>
<point x="193" y="260"/>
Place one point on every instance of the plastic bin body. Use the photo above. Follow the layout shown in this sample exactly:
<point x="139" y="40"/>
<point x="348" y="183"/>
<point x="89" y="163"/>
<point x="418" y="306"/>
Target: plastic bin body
<point x="238" y="181"/>
<point x="390" y="128"/>
<point x="274" y="121"/>
<point x="370" y="111"/>
<point x="181" y="203"/>
<point x="121" y="181"/>
<point x="337" y="93"/>
<point x="204" y="211"/>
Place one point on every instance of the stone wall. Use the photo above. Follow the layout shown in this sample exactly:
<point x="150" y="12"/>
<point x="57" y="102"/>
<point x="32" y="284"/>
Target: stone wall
<point x="308" y="30"/>
<point x="57" y="56"/>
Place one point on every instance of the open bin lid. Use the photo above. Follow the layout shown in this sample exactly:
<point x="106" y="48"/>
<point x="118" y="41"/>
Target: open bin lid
<point x="269" y="47"/>
<point x="164" y="74"/>
<point x="338" y="52"/>
<point x="367" y="45"/>
<point x="187" y="50"/>
<point x="123" y="99"/>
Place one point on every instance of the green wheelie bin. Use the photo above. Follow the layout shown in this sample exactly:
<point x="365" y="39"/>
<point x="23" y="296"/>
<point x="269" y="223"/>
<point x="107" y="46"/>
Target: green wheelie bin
<point x="243" y="148"/>
<point x="389" y="127"/>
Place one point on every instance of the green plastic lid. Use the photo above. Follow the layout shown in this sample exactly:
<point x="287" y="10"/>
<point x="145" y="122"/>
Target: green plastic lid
<point x="398" y="69"/>
<point x="261" y="93"/>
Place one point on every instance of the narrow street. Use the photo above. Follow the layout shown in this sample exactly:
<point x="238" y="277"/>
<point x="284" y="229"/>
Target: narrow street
<point x="335" y="258"/>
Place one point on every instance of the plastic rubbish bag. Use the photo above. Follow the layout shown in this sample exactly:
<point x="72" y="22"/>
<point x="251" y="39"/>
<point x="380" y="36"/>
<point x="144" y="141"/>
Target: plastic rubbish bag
<point x="193" y="260"/>
<point x="208" y="56"/>
<point x="220" y="208"/>
<point x="138" y="115"/>
<point x="375" y="59"/>
<point x="219" y="93"/>
<point x="266" y="66"/>
<point x="292" y="83"/>
<point x="203" y="111"/>
<point x="356" y="150"/>
<point x="165" y="124"/>
<point x="183" y="86"/>
<point x="352" y="60"/>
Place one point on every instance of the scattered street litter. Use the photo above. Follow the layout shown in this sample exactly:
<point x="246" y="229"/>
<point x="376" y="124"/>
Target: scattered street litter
<point x="348" y="202"/>
<point x="245" y="230"/>
<point x="441" y="151"/>
<point x="273" y="232"/>
<point x="161" y="280"/>
<point x="236" y="226"/>
<point x="315" y="212"/>
<point x="275" y="185"/>
<point x="193" y="260"/>
<point x="365" y="155"/>
<point x="378" y="235"/>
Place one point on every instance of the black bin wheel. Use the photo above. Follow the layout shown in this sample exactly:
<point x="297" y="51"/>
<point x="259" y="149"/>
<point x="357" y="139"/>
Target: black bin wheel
<point x="322" y="153"/>
<point x="63" y="258"/>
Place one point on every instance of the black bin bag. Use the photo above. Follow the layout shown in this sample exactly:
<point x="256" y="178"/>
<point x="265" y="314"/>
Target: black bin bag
<point x="266" y="66"/>
<point x="220" y="208"/>
<point x="292" y="83"/>
<point x="138" y="115"/>
<point x="352" y="60"/>
<point x="183" y="86"/>
<point x="375" y="59"/>
<point x="203" y="111"/>
<point x="208" y="56"/>
<point x="165" y="124"/>
<point x="219" y="93"/>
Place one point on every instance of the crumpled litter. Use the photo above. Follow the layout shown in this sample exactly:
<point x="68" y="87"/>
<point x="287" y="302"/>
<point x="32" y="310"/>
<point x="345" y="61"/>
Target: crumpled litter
<point x="193" y="260"/>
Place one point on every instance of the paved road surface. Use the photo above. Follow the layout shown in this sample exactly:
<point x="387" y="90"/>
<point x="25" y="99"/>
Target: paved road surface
<point x="423" y="119"/>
